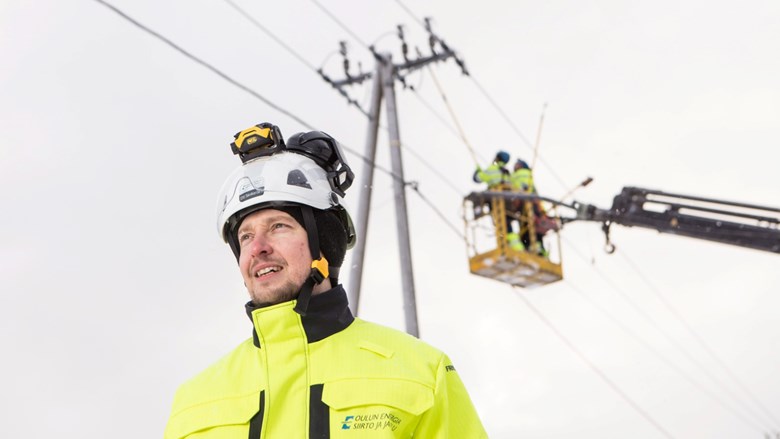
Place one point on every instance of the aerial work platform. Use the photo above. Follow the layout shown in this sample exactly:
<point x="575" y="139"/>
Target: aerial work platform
<point x="492" y="256"/>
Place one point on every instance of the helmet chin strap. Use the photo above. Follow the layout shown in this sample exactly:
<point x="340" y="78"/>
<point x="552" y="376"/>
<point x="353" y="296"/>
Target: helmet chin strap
<point x="319" y="265"/>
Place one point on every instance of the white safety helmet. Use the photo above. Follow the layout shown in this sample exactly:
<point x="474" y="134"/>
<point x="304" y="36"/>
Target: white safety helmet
<point x="308" y="172"/>
<point x="282" y="179"/>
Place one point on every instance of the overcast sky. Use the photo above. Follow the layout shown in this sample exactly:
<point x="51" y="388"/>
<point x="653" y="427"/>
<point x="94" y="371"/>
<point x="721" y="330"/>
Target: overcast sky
<point x="114" y="287"/>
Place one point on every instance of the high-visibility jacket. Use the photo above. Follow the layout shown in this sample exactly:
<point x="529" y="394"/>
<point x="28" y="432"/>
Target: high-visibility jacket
<point x="522" y="180"/>
<point x="324" y="375"/>
<point x="493" y="175"/>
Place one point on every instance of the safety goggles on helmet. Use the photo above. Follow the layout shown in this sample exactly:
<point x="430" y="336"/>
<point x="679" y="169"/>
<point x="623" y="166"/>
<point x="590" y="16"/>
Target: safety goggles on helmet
<point x="266" y="139"/>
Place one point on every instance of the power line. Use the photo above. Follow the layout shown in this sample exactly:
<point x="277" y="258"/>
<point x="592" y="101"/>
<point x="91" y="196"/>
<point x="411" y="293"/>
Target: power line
<point x="461" y="133"/>
<point x="662" y="357"/>
<point x="482" y="90"/>
<point x="594" y="368"/>
<point x="409" y="11"/>
<point x="237" y="84"/>
<point x="431" y="168"/>
<point x="502" y="113"/>
<point x="497" y="107"/>
<point x="302" y="60"/>
<point x="205" y="64"/>
<point x="433" y="111"/>
<point x="438" y="212"/>
<point x="413" y="185"/>
<point x="289" y="49"/>
<point x="384" y="128"/>
<point x="271" y="35"/>
<point x="699" y="339"/>
<point x="267" y="101"/>
<point x="342" y="25"/>
<point x="669" y="338"/>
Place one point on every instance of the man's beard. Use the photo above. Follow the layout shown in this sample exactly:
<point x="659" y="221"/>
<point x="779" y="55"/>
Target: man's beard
<point x="285" y="293"/>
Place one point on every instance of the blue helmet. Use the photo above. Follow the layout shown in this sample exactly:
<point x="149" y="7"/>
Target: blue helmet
<point x="521" y="164"/>
<point x="502" y="156"/>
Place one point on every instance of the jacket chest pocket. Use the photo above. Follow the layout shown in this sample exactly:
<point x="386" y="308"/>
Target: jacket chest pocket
<point x="227" y="418"/>
<point x="368" y="408"/>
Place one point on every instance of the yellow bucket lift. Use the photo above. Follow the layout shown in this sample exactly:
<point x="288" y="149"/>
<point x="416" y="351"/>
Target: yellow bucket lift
<point x="493" y="257"/>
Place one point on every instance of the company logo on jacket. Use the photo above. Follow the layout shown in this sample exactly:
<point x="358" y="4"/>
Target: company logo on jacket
<point x="373" y="421"/>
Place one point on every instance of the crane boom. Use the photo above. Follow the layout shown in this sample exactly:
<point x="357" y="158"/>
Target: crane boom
<point x="740" y="224"/>
<point x="727" y="222"/>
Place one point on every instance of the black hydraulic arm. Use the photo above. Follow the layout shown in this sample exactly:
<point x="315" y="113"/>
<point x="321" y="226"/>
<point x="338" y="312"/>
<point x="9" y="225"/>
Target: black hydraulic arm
<point x="734" y="223"/>
<point x="727" y="222"/>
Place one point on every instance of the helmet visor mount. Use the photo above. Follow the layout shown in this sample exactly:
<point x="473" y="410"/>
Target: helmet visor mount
<point x="326" y="152"/>
<point x="266" y="139"/>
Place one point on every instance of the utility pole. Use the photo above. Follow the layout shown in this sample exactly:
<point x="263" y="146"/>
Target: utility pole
<point x="384" y="76"/>
<point x="399" y="188"/>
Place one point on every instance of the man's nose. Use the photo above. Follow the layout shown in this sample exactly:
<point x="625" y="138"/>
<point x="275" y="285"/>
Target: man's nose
<point x="260" y="246"/>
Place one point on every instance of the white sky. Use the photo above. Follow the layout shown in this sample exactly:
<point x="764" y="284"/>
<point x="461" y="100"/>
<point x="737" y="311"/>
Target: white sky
<point x="114" y="287"/>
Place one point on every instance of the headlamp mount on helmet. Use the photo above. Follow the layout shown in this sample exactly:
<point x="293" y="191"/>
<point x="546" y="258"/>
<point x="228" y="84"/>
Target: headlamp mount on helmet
<point x="260" y="140"/>
<point x="266" y="139"/>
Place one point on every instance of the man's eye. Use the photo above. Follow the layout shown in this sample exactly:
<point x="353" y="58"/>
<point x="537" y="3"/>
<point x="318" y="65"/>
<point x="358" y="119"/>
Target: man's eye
<point x="244" y="237"/>
<point x="279" y="225"/>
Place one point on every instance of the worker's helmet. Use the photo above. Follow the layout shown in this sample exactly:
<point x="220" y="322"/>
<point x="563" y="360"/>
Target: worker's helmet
<point x="305" y="177"/>
<point x="502" y="156"/>
<point x="521" y="164"/>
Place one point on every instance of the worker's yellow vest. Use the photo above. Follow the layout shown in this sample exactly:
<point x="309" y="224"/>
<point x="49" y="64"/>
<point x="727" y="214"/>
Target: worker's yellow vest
<point x="493" y="175"/>
<point x="364" y="381"/>
<point x="522" y="180"/>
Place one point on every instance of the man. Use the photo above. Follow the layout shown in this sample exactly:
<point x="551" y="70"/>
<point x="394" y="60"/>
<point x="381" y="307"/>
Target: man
<point x="496" y="175"/>
<point x="310" y="369"/>
<point x="497" y="178"/>
<point x="522" y="180"/>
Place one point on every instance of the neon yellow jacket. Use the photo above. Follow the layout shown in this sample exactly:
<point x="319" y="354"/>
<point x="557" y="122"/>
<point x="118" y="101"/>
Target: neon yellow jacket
<point x="325" y="375"/>
<point x="522" y="180"/>
<point x="493" y="175"/>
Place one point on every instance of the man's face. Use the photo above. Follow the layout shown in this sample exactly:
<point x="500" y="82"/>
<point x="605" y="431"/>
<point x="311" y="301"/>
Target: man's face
<point x="275" y="259"/>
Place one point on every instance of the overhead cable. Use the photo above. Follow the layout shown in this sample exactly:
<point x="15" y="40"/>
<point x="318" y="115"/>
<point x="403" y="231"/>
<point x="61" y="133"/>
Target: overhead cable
<point x="438" y="212"/>
<point x="263" y="99"/>
<point x="699" y="339"/>
<point x="271" y="35"/>
<point x="714" y="379"/>
<point x="205" y="64"/>
<point x="411" y="14"/>
<point x="302" y="60"/>
<point x="511" y="123"/>
<point x="497" y="107"/>
<point x="414" y="185"/>
<point x="454" y="117"/>
<point x="601" y="374"/>
<point x="430" y="167"/>
<point x="647" y="345"/>
<point x="384" y="128"/>
<point x="342" y="25"/>
<point x="289" y="49"/>
<point x="239" y="85"/>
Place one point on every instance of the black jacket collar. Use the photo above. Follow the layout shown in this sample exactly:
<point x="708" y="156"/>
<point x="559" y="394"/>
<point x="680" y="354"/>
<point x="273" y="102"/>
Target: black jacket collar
<point x="328" y="313"/>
